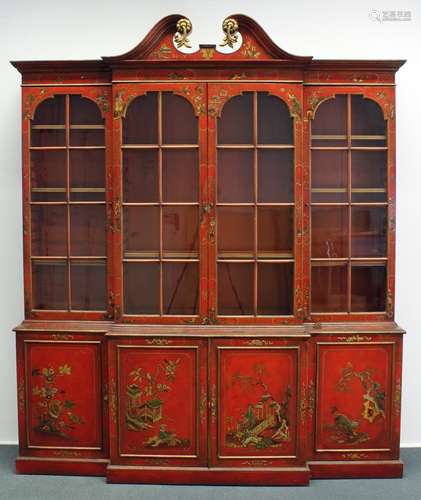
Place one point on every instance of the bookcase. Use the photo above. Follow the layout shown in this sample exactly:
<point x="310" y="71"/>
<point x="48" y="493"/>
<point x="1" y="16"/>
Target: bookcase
<point x="209" y="255"/>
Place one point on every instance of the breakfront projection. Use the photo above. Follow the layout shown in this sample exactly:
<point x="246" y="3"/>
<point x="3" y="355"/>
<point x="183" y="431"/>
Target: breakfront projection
<point x="209" y="252"/>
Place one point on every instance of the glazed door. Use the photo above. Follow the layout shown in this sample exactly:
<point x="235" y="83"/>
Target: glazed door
<point x="160" y="203"/>
<point x="257" y="417"/>
<point x="67" y="194"/>
<point x="350" y="175"/>
<point x="158" y="401"/>
<point x="357" y="397"/>
<point x="254" y="164"/>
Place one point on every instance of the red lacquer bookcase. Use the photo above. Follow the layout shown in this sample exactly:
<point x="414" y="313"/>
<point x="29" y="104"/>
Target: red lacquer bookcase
<point x="209" y="240"/>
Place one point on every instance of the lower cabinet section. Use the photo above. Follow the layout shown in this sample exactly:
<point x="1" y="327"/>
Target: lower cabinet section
<point x="211" y="408"/>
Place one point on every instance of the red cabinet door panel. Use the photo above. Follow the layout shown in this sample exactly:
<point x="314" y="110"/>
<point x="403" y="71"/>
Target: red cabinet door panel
<point x="161" y="402"/>
<point x="254" y="403"/>
<point x="354" y="388"/>
<point x="63" y="388"/>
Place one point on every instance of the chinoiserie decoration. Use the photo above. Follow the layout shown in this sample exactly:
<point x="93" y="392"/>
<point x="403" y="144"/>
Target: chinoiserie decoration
<point x="145" y="406"/>
<point x="346" y="429"/>
<point x="54" y="410"/>
<point x="264" y="423"/>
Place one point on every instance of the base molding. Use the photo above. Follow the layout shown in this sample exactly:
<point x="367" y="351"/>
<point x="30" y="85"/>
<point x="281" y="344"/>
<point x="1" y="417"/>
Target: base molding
<point x="61" y="466"/>
<point x="356" y="469"/>
<point x="287" y="476"/>
<point x="291" y="476"/>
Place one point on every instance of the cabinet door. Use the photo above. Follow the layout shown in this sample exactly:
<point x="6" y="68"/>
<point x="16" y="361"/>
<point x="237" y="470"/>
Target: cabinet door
<point x="159" y="417"/>
<point x="255" y="400"/>
<point x="254" y="164"/>
<point x="357" y="399"/>
<point x="160" y="177"/>
<point x="349" y="169"/>
<point x="67" y="202"/>
<point x="60" y="397"/>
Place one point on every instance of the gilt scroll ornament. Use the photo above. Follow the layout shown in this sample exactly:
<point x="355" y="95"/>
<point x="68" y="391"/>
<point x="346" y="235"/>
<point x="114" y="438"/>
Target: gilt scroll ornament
<point x="230" y="29"/>
<point x="184" y="28"/>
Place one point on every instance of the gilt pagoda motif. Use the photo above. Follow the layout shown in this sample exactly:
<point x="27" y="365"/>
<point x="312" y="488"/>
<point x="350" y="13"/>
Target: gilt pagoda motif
<point x="265" y="423"/>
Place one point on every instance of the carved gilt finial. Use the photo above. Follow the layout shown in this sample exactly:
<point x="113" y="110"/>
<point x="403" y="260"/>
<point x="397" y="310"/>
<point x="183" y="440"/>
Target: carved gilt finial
<point x="230" y="29"/>
<point x="183" y="30"/>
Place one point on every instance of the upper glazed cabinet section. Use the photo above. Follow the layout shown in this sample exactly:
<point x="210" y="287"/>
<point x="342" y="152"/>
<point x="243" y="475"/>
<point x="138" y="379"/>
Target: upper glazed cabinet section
<point x="233" y="183"/>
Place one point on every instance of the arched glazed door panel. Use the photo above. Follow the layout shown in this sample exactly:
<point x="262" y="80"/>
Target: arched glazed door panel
<point x="252" y="160"/>
<point x="349" y="206"/>
<point x="162" y="189"/>
<point x="68" y="245"/>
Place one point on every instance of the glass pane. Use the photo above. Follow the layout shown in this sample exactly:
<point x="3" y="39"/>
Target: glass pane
<point x="369" y="229"/>
<point x="180" y="175"/>
<point x="87" y="175"/>
<point x="141" y="288"/>
<point x="140" y="176"/>
<point x="368" y="287"/>
<point x="87" y="225"/>
<point x="235" y="176"/>
<point x="180" y="232"/>
<point x="235" y="288"/>
<point x="275" y="285"/>
<point x="49" y="230"/>
<point x="49" y="123"/>
<point x="235" y="126"/>
<point x="329" y="231"/>
<point x="329" y="125"/>
<point x="181" y="287"/>
<point x="140" y="125"/>
<point x="179" y="125"/>
<point x="48" y="175"/>
<point x="329" y="287"/>
<point x="235" y="232"/>
<point x="86" y="123"/>
<point x="89" y="285"/>
<point x="369" y="173"/>
<point x="141" y="232"/>
<point x="83" y="111"/>
<point x="87" y="137"/>
<point x="275" y="232"/>
<point x="275" y="176"/>
<point x="275" y="125"/>
<point x="368" y="124"/>
<point x="329" y="176"/>
<point x="49" y="284"/>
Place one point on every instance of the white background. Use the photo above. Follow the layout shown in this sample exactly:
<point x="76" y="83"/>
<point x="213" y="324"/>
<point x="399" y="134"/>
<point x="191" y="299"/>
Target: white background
<point x="89" y="29"/>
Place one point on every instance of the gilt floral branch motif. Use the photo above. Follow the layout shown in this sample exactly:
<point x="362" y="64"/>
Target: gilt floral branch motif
<point x="54" y="410"/>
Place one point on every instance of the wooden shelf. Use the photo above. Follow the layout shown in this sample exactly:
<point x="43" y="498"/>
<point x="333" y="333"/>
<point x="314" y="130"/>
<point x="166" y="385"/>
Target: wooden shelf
<point x="48" y="127"/>
<point x="345" y="190"/>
